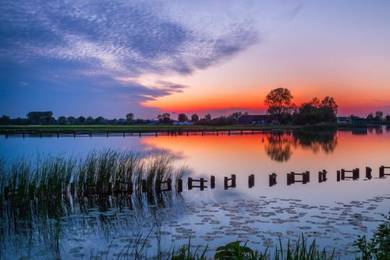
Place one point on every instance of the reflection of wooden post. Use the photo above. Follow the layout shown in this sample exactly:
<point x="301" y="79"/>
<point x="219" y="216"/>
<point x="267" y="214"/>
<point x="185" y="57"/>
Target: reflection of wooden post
<point x="272" y="179"/>
<point x="251" y="181"/>
<point x="179" y="185"/>
<point x="212" y="182"/>
<point x="368" y="173"/>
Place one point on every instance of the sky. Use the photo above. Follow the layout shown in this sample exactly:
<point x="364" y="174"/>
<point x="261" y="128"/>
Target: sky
<point x="109" y="58"/>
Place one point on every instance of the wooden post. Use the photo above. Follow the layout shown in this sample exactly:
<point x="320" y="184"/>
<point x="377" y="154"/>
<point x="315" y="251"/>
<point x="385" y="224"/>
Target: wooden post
<point x="212" y="182"/>
<point x="272" y="179"/>
<point x="368" y="173"/>
<point x="232" y="181"/>
<point x="251" y="181"/>
<point x="338" y="176"/>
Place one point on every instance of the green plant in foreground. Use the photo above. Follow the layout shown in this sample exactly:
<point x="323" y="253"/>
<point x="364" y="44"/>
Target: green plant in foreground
<point x="238" y="251"/>
<point x="378" y="247"/>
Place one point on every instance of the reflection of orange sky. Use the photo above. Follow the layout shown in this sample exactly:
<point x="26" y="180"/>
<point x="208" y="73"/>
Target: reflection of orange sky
<point x="246" y="153"/>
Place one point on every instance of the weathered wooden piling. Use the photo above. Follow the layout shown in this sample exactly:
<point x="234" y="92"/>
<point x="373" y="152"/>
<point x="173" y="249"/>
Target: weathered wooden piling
<point x="355" y="174"/>
<point x="201" y="183"/>
<point x="382" y="171"/>
<point x="272" y="179"/>
<point x="251" y="181"/>
<point x="291" y="177"/>
<point x="369" y="173"/>
<point x="212" y="182"/>
<point x="322" y="176"/>
<point x="229" y="182"/>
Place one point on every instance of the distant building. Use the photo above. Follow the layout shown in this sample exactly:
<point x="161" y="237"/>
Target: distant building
<point x="342" y="120"/>
<point x="255" y="119"/>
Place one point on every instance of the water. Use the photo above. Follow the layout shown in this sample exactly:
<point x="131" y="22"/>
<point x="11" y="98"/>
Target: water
<point x="332" y="212"/>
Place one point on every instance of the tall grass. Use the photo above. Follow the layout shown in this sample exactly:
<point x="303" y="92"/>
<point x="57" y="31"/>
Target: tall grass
<point x="54" y="179"/>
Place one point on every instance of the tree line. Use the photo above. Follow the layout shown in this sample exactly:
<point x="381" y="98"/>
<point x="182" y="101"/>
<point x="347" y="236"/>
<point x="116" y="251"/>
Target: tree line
<point x="279" y="102"/>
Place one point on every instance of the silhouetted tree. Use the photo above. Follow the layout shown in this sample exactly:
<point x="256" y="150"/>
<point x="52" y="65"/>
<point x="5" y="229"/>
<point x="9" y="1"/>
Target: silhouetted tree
<point x="279" y="103"/>
<point x="314" y="112"/>
<point x="100" y="120"/>
<point x="61" y="120"/>
<point x="45" y="117"/>
<point x="182" y="117"/>
<point x="5" y="120"/>
<point x="388" y="118"/>
<point x="130" y="118"/>
<point x="81" y="120"/>
<point x="194" y="118"/>
<point x="90" y="120"/>
<point x="370" y="117"/>
<point x="164" y="118"/>
<point x="379" y="116"/>
<point x="328" y="109"/>
<point x="207" y="117"/>
<point x="71" y="120"/>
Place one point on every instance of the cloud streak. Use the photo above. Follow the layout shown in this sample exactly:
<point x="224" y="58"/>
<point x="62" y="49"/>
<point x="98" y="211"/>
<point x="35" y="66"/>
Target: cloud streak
<point x="113" y="39"/>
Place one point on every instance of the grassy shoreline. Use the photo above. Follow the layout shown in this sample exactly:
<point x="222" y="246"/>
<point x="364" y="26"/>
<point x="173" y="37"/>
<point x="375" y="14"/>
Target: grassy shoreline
<point x="87" y="129"/>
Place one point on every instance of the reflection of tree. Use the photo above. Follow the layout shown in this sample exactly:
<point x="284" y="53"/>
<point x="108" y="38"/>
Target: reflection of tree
<point x="326" y="140"/>
<point x="279" y="147"/>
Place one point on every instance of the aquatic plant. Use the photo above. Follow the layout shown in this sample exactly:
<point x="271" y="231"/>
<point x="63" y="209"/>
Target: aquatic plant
<point x="378" y="247"/>
<point x="237" y="250"/>
<point x="54" y="180"/>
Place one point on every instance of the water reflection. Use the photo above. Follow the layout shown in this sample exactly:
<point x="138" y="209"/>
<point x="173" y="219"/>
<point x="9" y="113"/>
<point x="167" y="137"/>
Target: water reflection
<point x="279" y="146"/>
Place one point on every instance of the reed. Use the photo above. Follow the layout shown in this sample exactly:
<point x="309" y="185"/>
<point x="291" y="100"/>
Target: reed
<point x="109" y="172"/>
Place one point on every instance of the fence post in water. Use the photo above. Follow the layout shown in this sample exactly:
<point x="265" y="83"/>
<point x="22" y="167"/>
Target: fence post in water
<point x="305" y="177"/>
<point x="338" y="176"/>
<point x="369" y="173"/>
<point x="212" y="182"/>
<point x="232" y="181"/>
<point x="355" y="174"/>
<point x="290" y="178"/>
<point x="251" y="181"/>
<point x="201" y="182"/>
<point x="321" y="176"/>
<point x="382" y="173"/>
<point x="272" y="179"/>
<point x="189" y="183"/>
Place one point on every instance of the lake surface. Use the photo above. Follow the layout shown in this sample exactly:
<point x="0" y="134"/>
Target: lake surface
<point x="333" y="212"/>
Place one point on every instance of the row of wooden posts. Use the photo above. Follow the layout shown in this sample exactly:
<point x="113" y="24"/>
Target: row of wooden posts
<point x="292" y="177"/>
<point x="228" y="183"/>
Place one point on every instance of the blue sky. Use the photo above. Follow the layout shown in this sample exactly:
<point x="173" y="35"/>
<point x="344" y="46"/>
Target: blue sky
<point x="113" y="57"/>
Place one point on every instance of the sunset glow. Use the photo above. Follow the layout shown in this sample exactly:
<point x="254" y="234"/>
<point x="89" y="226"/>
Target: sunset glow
<point x="207" y="63"/>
